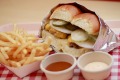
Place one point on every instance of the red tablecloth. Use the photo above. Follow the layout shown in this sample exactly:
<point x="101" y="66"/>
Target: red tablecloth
<point x="5" y="74"/>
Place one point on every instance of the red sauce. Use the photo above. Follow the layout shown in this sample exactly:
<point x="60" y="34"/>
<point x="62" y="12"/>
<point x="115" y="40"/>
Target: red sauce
<point x="58" y="66"/>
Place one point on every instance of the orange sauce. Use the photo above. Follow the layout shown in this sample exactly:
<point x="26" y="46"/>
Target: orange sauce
<point x="58" y="66"/>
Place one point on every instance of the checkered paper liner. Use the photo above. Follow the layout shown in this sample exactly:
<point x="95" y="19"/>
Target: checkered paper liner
<point x="5" y="74"/>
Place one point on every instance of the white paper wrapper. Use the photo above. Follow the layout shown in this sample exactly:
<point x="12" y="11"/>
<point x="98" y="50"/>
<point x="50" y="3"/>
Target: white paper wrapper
<point x="106" y="40"/>
<point x="29" y="68"/>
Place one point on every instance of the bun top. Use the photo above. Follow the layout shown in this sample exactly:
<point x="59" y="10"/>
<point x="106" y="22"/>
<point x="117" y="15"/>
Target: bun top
<point x="88" y="22"/>
<point x="65" y="12"/>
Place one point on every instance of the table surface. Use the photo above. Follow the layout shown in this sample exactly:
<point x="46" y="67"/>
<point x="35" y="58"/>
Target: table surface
<point x="5" y="74"/>
<point x="22" y="11"/>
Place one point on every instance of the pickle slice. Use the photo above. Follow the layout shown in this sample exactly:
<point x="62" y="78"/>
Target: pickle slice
<point x="92" y="38"/>
<point x="71" y="27"/>
<point x="62" y="29"/>
<point x="58" y="23"/>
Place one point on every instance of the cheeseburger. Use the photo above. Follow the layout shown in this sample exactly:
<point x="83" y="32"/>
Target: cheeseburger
<point x="72" y="31"/>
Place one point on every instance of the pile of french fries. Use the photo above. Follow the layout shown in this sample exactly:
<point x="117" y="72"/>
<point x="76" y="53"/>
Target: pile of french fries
<point x="18" y="48"/>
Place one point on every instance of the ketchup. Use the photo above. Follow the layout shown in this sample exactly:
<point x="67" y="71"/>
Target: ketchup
<point x="58" y="66"/>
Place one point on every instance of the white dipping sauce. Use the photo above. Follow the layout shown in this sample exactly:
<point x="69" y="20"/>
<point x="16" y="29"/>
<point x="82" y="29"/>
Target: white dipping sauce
<point x="95" y="66"/>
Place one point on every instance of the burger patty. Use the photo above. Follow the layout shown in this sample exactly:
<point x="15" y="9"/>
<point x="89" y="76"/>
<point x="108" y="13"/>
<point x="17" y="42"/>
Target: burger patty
<point x="56" y="33"/>
<point x="71" y="44"/>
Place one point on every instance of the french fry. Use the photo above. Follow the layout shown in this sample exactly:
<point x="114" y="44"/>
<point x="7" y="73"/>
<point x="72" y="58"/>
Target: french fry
<point x="41" y="53"/>
<point x="7" y="44"/>
<point x="38" y="58"/>
<point x="24" y="51"/>
<point x="7" y="49"/>
<point x="18" y="48"/>
<point x="8" y="37"/>
<point x="23" y="61"/>
<point x="19" y="56"/>
<point x="32" y="39"/>
<point x="14" y="63"/>
<point x="3" y="60"/>
<point x="12" y="50"/>
<point x="40" y="49"/>
<point x="2" y="38"/>
<point x="29" y="59"/>
<point x="21" y="39"/>
<point x="4" y="53"/>
<point x="22" y="56"/>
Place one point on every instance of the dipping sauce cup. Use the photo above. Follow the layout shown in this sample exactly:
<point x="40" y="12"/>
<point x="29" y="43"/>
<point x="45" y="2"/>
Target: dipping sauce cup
<point x="95" y="65"/>
<point x="57" y="63"/>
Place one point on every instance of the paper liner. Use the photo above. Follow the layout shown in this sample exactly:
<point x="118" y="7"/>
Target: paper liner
<point x="25" y="70"/>
<point x="106" y="40"/>
<point x="29" y="68"/>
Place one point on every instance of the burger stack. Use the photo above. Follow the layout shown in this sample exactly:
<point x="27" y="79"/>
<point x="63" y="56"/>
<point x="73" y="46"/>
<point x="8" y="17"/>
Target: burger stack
<point x="72" y="30"/>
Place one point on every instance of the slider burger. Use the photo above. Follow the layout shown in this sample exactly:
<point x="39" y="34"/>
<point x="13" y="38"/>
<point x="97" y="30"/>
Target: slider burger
<point x="72" y="31"/>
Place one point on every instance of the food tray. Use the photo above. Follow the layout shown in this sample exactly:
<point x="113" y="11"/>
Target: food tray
<point x="5" y="74"/>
